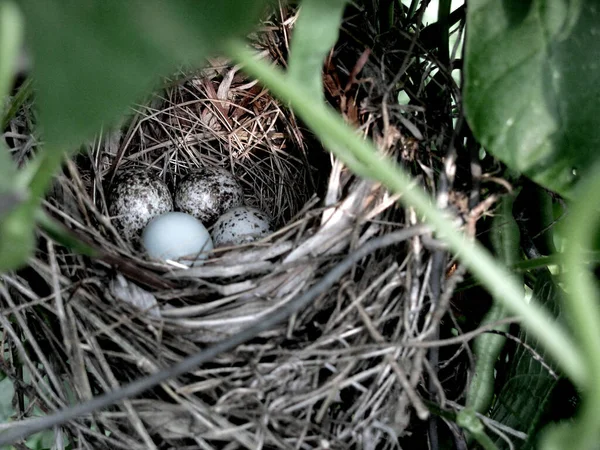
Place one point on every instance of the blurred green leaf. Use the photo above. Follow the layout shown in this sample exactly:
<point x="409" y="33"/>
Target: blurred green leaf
<point x="16" y="102"/>
<point x="315" y="33"/>
<point x="17" y="237"/>
<point x="17" y="225"/>
<point x="527" y="390"/>
<point x="11" y="29"/>
<point x="531" y="85"/>
<point x="9" y="197"/>
<point x="8" y="201"/>
<point x="93" y="59"/>
<point x="61" y="234"/>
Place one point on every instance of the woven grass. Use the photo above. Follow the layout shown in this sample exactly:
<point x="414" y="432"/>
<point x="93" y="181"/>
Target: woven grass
<point x="332" y="376"/>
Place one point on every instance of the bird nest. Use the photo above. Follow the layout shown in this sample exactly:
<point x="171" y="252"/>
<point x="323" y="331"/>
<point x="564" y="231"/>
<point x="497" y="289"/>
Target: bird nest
<point x="331" y="376"/>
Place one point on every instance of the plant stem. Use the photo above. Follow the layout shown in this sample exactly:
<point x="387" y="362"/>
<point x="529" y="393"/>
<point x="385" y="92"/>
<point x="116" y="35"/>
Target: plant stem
<point x="468" y="420"/>
<point x="487" y="347"/>
<point x="582" y="304"/>
<point x="444" y="31"/>
<point x="362" y="157"/>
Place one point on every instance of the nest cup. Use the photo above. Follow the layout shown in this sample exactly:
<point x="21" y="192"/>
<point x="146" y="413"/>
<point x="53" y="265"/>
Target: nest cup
<point x="118" y="316"/>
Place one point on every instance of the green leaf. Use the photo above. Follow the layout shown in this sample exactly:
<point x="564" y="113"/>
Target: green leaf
<point x="17" y="237"/>
<point x="62" y="234"/>
<point x="8" y="201"/>
<point x="11" y="29"/>
<point x="315" y="33"/>
<point x="582" y="305"/>
<point x="17" y="102"/>
<point x="531" y="85"/>
<point x="9" y="197"/>
<point x="526" y="393"/>
<point x="93" y="59"/>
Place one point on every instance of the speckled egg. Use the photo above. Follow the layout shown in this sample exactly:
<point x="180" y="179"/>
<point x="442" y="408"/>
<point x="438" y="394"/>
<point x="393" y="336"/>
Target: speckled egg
<point x="207" y="193"/>
<point x="136" y="198"/>
<point x="241" y="225"/>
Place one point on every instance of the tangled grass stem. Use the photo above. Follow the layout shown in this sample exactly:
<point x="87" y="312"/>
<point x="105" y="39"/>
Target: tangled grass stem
<point x="362" y="157"/>
<point x="268" y="321"/>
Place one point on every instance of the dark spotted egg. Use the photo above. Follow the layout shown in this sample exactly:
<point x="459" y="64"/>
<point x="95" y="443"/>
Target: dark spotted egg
<point x="136" y="198"/>
<point x="207" y="193"/>
<point x="241" y="225"/>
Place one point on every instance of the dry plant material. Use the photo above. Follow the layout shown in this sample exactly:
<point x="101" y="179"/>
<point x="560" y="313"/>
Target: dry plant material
<point x="333" y="376"/>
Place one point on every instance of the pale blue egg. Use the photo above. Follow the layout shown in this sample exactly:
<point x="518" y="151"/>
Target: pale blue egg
<point x="178" y="237"/>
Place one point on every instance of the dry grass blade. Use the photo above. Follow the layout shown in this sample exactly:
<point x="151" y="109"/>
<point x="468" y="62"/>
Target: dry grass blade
<point x="344" y="372"/>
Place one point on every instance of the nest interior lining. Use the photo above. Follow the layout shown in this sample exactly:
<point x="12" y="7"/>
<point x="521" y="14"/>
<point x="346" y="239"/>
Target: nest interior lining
<point x="282" y="378"/>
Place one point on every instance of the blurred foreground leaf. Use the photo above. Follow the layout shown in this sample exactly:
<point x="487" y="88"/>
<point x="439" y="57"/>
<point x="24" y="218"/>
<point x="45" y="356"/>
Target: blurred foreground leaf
<point x="531" y="85"/>
<point x="17" y="102"/>
<point x="16" y="221"/>
<point x="17" y="237"/>
<point x="11" y="25"/>
<point x="9" y="198"/>
<point x="315" y="33"/>
<point x="61" y="234"/>
<point x="93" y="59"/>
<point x="11" y="30"/>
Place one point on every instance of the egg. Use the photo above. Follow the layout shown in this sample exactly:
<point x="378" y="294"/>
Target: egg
<point x="178" y="237"/>
<point x="207" y="193"/>
<point x="241" y="225"/>
<point x="136" y="198"/>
